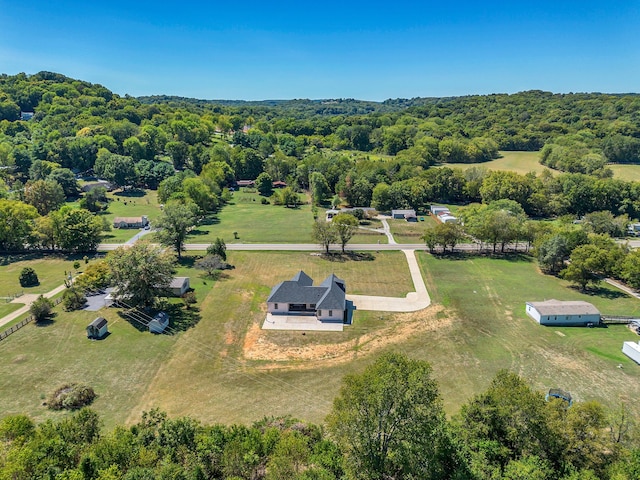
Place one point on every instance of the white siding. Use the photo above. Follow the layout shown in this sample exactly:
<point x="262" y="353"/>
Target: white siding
<point x="336" y="315"/>
<point x="278" y="307"/>
<point x="632" y="350"/>
<point x="533" y="313"/>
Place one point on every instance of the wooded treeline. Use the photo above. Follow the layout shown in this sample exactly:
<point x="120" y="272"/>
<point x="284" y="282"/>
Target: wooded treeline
<point x="386" y="423"/>
<point x="341" y="151"/>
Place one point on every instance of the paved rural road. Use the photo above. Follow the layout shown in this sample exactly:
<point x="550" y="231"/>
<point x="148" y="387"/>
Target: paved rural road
<point x="311" y="247"/>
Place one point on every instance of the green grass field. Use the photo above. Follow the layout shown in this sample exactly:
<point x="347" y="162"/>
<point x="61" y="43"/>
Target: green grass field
<point x="255" y="223"/>
<point x="410" y="232"/>
<point x="519" y="162"/>
<point x="490" y="331"/>
<point x="626" y="172"/>
<point x="49" y="268"/>
<point x="232" y="371"/>
<point x="132" y="203"/>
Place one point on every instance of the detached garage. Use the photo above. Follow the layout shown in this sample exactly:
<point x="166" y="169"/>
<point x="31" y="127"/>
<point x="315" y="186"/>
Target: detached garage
<point x="567" y="314"/>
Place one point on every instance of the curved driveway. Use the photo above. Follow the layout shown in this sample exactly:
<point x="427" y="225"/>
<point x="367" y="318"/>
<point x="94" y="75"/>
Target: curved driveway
<point x="412" y="302"/>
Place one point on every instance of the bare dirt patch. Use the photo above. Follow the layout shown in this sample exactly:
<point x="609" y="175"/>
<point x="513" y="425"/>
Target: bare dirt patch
<point x="258" y="346"/>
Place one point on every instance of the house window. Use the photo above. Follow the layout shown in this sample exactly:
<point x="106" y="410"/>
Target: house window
<point x="275" y="306"/>
<point x="319" y="313"/>
<point x="312" y="306"/>
<point x="331" y="313"/>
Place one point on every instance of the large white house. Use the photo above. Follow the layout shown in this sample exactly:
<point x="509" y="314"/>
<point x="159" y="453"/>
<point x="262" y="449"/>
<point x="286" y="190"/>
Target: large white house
<point x="298" y="296"/>
<point x="561" y="313"/>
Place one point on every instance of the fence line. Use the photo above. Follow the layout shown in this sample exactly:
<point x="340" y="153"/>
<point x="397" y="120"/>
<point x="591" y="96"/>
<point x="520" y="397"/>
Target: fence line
<point x="24" y="322"/>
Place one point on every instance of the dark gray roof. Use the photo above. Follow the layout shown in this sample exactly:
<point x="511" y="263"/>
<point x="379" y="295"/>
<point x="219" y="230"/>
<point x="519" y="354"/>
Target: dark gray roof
<point x="333" y="299"/>
<point x="329" y="295"/>
<point x="303" y="279"/>
<point x="98" y="322"/>
<point x="330" y="280"/>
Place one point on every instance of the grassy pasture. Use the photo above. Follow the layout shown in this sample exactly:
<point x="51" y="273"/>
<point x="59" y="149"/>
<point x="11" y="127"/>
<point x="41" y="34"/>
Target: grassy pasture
<point x="626" y="172"/>
<point x="519" y="162"/>
<point x="226" y="369"/>
<point x="410" y="232"/>
<point x="38" y="359"/>
<point x="255" y="223"/>
<point x="489" y="331"/>
<point x="49" y="268"/>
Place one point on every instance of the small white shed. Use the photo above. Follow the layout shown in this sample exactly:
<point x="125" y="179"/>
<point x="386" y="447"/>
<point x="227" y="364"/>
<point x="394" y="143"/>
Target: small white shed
<point x="563" y="313"/>
<point x="179" y="285"/>
<point x="159" y="323"/>
<point x="98" y="328"/>
<point x="632" y="350"/>
<point x="447" y="218"/>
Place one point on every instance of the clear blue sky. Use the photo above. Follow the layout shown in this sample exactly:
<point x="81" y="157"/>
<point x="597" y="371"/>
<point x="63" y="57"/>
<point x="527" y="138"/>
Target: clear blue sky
<point x="328" y="49"/>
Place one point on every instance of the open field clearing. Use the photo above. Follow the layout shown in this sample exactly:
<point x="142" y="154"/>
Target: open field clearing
<point x="626" y="172"/>
<point x="485" y="299"/>
<point x="49" y="268"/>
<point x="255" y="223"/>
<point x="519" y="162"/>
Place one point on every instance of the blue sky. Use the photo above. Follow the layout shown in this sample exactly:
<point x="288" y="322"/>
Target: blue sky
<point x="331" y="49"/>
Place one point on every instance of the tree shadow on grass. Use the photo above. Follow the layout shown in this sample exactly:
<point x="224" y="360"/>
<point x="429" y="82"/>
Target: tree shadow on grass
<point x="210" y="220"/>
<point x="10" y="258"/>
<point x="181" y="319"/>
<point x="348" y="256"/>
<point x="138" y="320"/>
<point x="47" y="321"/>
<point x="601" y="292"/>
<point x="509" y="256"/>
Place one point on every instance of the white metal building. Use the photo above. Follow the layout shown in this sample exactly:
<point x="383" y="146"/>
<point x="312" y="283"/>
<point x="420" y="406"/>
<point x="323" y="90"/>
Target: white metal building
<point x="632" y="350"/>
<point x="563" y="313"/>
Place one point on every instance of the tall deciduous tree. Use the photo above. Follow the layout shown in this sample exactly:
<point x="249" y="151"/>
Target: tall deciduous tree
<point x="45" y="195"/>
<point x="16" y="224"/>
<point x="390" y="422"/>
<point x="140" y="273"/>
<point x="174" y="224"/>
<point x="324" y="233"/>
<point x="76" y="229"/>
<point x="345" y="226"/>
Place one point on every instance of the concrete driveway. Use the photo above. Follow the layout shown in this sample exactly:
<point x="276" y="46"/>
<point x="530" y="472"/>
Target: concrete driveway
<point x="412" y="302"/>
<point x="300" y="322"/>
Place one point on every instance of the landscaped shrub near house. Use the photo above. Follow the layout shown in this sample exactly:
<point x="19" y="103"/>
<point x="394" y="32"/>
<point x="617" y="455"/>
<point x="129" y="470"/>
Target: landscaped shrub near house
<point x="28" y="277"/>
<point x="73" y="299"/>
<point x="71" y="397"/>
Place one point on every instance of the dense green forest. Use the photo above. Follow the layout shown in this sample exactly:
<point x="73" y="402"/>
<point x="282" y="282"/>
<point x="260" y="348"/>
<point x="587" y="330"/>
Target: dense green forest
<point x="386" y="423"/>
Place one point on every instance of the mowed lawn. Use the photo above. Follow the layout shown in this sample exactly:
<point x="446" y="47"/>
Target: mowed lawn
<point x="130" y="203"/>
<point x="50" y="269"/>
<point x="519" y="162"/>
<point x="255" y="223"/>
<point x="36" y="360"/>
<point x="485" y="299"/>
<point x="410" y="232"/>
<point x="208" y="364"/>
